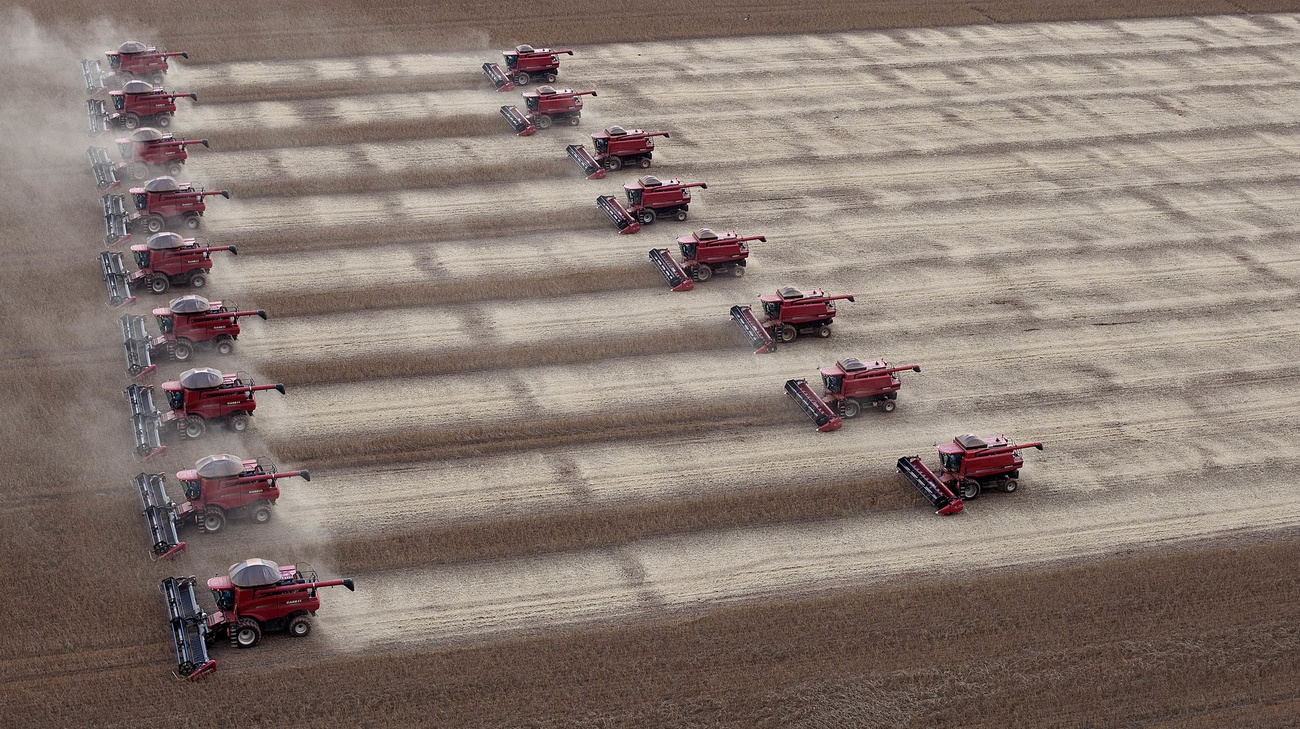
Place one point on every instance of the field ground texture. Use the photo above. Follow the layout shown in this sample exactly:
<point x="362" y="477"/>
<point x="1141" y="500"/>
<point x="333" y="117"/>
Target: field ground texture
<point x="547" y="471"/>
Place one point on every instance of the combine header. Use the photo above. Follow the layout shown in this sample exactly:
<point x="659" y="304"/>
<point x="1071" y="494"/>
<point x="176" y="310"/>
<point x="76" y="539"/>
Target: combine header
<point x="115" y="278"/>
<point x="524" y="64"/>
<point x="848" y="386"/>
<point x="168" y="259"/>
<point x="967" y="465"/>
<point x="615" y="148"/>
<point x="161" y="203"/>
<point x="704" y="253"/>
<point x="256" y="596"/>
<point x="137" y="104"/>
<point x="144" y="152"/>
<point x="218" y="488"/>
<point x="131" y="59"/>
<point x="648" y="198"/>
<point x="201" y="395"/>
<point x="545" y="105"/>
<point x="188" y="324"/>
<point x="787" y="314"/>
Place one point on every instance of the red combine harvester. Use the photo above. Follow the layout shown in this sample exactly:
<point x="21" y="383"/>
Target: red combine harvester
<point x="137" y="104"/>
<point x="256" y="596"/>
<point x="525" y="64"/>
<point x="648" y="198"/>
<point x="201" y="395"/>
<point x="219" y="487"/>
<point x="131" y="59"/>
<point x="545" y="105"/>
<point x="188" y="324"/>
<point x="967" y="465"/>
<point x="144" y="152"/>
<point x="849" y="385"/>
<point x="616" y="147"/>
<point x="165" y="260"/>
<point x="161" y="203"/>
<point x="704" y="253"/>
<point x="787" y="314"/>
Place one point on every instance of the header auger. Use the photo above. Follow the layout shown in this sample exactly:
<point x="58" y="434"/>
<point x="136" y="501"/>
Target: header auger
<point x="787" y="314"/>
<point x="616" y="147"/>
<point x="525" y="64"/>
<point x="131" y="59"/>
<point x="704" y="253"/>
<point x="188" y="324"/>
<point x="545" y="106"/>
<point x="137" y="104"/>
<point x="145" y="152"/>
<point x="219" y="487"/>
<point x="648" y="198"/>
<point x="256" y="596"/>
<point x="968" y="465"/>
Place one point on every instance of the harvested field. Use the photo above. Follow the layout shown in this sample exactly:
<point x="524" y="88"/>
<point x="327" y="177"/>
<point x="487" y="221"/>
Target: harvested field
<point x="529" y="453"/>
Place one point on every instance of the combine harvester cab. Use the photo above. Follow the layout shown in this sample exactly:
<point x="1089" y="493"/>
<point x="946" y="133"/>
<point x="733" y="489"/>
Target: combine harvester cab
<point x="168" y="259"/>
<point x="817" y="410"/>
<point x="140" y="104"/>
<point x="256" y="596"/>
<point x="103" y="168"/>
<point x="115" y="278"/>
<point x="851" y="385"/>
<point x="704" y="253"/>
<point x="649" y="198"/>
<point x="524" y="65"/>
<point x="189" y="627"/>
<point x="144" y="152"/>
<point x="164" y="203"/>
<point x="616" y="148"/>
<point x="968" y="466"/>
<point x="159" y="515"/>
<point x="202" y="395"/>
<point x="222" y="487"/>
<point x="787" y="314"/>
<point x="132" y="59"/>
<point x="146" y="422"/>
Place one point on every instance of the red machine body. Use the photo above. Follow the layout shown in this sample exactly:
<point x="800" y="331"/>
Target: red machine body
<point x="148" y="150"/>
<point x="704" y="253"/>
<point x="138" y="104"/>
<point x="648" y="199"/>
<point x="168" y="259"/>
<point x="545" y="106"/>
<point x="852" y="384"/>
<point x="524" y="65"/>
<point x="202" y="395"/>
<point x="615" y="148"/>
<point x="787" y="314"/>
<point x="134" y="58"/>
<point x="221" y="487"/>
<point x="191" y="322"/>
<point x="165" y="203"/>
<point x="968" y="465"/>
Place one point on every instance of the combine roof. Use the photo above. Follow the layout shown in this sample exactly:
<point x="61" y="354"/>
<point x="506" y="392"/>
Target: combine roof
<point x="189" y="304"/>
<point x="146" y="134"/>
<point x="162" y="184"/>
<point x="132" y="47"/>
<point x="165" y="241"/>
<point x="221" y="465"/>
<point x="201" y="378"/>
<point x="136" y="86"/>
<point x="255" y="573"/>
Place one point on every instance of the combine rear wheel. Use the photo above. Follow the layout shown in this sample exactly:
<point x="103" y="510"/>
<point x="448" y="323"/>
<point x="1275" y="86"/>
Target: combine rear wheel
<point x="575" y="120"/>
<point x="164" y="121"/>
<point x="175" y="169"/>
<point x="851" y="408"/>
<point x="1010" y="485"/>
<point x="238" y="421"/>
<point x="738" y="271"/>
<point x="213" y="521"/>
<point x="970" y="488"/>
<point x="261" y="515"/>
<point x="644" y="163"/>
<point x="550" y="78"/>
<point x="195" y="427"/>
<point x="192" y="221"/>
<point x="225" y="346"/>
<point x="824" y="331"/>
<point x="886" y="406"/>
<point x="299" y="627"/>
<point x="182" y="350"/>
<point x="787" y="333"/>
<point x="247" y="633"/>
<point x="159" y="283"/>
<point x="156" y="79"/>
<point x="680" y="215"/>
<point x="198" y="280"/>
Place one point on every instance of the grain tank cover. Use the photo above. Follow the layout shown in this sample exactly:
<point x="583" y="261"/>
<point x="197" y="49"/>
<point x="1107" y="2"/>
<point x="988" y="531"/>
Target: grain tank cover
<point x="254" y="573"/>
<point x="971" y="442"/>
<point x="524" y="49"/>
<point x="137" y="86"/>
<point x="790" y="292"/>
<point x="705" y="234"/>
<point x="165" y="241"/>
<point x="146" y="134"/>
<point x="189" y="304"/>
<point x="132" y="47"/>
<point x="221" y="465"/>
<point x="615" y="131"/>
<point x="162" y="184"/>
<point x="201" y="378"/>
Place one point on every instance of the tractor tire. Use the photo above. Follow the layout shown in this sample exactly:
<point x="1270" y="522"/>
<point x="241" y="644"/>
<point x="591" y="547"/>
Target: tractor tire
<point x="575" y="120"/>
<point x="182" y="350"/>
<point x="824" y="331"/>
<point x="886" y="406"/>
<point x="163" y="121"/>
<point x="702" y="272"/>
<point x="154" y="223"/>
<point x="225" y="346"/>
<point x="237" y="421"/>
<point x="970" y="488"/>
<point x="131" y="120"/>
<point x="680" y="215"/>
<point x="522" y="78"/>
<point x="195" y="426"/>
<point x="613" y="163"/>
<point x="646" y="216"/>
<point x="175" y="169"/>
<point x="643" y="163"/>
<point x="213" y="521"/>
<point x="159" y="283"/>
<point x="247" y="633"/>
<point x="261" y="515"/>
<point x="851" y="408"/>
<point x="299" y="626"/>
<point x="193" y="221"/>
<point x="198" y="280"/>
<point x="138" y="171"/>
<point x="550" y="78"/>
<point x="737" y="271"/>
<point x="543" y="121"/>
<point x="1010" y="485"/>
<point x="156" y="78"/>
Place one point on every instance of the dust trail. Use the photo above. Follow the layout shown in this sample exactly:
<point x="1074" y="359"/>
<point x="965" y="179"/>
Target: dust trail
<point x="461" y="125"/>
<point x="309" y="90"/>
<point x="431" y="177"/>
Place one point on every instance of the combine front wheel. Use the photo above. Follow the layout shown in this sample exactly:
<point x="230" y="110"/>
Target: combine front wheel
<point x="213" y="521"/>
<point x="247" y="633"/>
<point x="159" y="283"/>
<point x="182" y="350"/>
<point x="195" y="426"/>
<point x="154" y="223"/>
<point x="137" y="171"/>
<point x="543" y="121"/>
<point x="787" y="333"/>
<point x="299" y="627"/>
<point x="522" y="78"/>
<point x="970" y="488"/>
<point x="131" y="120"/>
<point x="646" y="216"/>
<point x="851" y="408"/>
<point x="703" y="272"/>
<point x="613" y="163"/>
